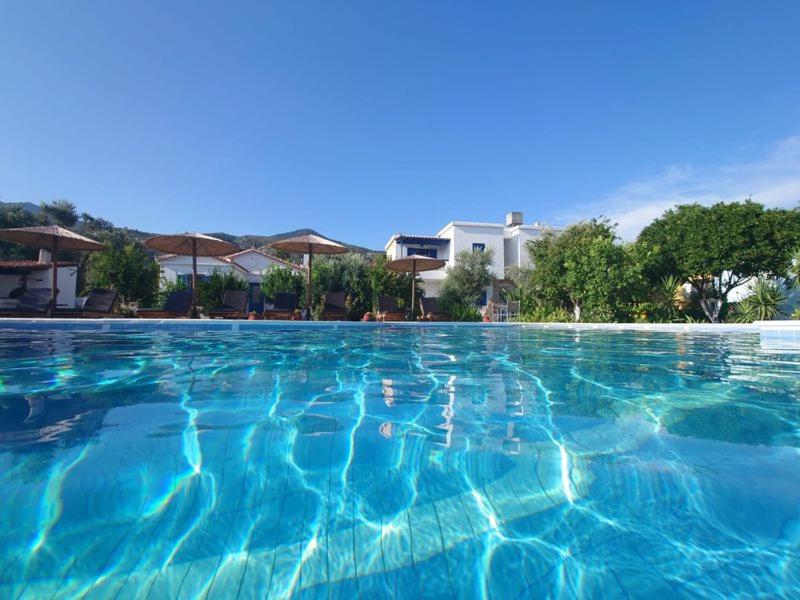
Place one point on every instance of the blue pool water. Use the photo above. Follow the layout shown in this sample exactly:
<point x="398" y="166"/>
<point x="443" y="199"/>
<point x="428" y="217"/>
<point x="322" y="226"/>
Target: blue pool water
<point x="397" y="462"/>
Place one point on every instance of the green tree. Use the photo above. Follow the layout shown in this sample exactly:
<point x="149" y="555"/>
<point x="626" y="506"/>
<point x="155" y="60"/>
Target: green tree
<point x="390" y="283"/>
<point x="585" y="271"/>
<point x="60" y="212"/>
<point x="211" y="289"/>
<point x="465" y="282"/>
<point x="718" y="248"/>
<point x="129" y="269"/>
<point x="282" y="279"/>
<point x="14" y="216"/>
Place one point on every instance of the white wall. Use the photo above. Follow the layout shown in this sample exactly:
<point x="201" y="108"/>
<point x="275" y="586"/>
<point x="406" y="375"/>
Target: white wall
<point x="462" y="237"/>
<point x="67" y="280"/>
<point x="256" y="262"/>
<point x="182" y="265"/>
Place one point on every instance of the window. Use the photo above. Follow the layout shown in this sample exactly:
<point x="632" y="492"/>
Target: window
<point x="429" y="252"/>
<point x="482" y="301"/>
<point x="479" y="247"/>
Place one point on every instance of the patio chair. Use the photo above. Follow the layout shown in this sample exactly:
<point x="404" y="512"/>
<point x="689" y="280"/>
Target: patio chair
<point x="176" y="306"/>
<point x="512" y="313"/>
<point x="33" y="303"/>
<point x="430" y="310"/>
<point x="234" y="306"/>
<point x="284" y="307"/>
<point x="99" y="303"/>
<point x="388" y="311"/>
<point x="335" y="308"/>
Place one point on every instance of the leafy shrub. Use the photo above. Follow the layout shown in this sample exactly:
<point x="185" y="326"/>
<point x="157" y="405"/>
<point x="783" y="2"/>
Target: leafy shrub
<point x="211" y="289"/>
<point x="542" y="314"/>
<point x="282" y="279"/>
<point x="166" y="287"/>
<point x="763" y="304"/>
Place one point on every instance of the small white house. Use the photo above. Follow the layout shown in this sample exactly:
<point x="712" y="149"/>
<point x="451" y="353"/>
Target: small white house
<point x="507" y="240"/>
<point x="248" y="264"/>
<point x="17" y="275"/>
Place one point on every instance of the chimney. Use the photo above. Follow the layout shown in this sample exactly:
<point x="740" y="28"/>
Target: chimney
<point x="513" y="219"/>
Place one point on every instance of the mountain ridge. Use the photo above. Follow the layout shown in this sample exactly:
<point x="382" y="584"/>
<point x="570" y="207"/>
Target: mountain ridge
<point x="243" y="241"/>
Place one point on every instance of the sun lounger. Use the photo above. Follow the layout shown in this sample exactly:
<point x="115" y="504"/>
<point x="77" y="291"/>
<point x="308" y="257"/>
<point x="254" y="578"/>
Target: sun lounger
<point x="33" y="303"/>
<point x="335" y="308"/>
<point x="99" y="303"/>
<point x="234" y="306"/>
<point x="285" y="305"/>
<point x="177" y="306"/>
<point x="430" y="310"/>
<point x="388" y="311"/>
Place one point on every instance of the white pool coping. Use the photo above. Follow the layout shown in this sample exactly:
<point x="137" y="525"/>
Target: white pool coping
<point x="769" y="327"/>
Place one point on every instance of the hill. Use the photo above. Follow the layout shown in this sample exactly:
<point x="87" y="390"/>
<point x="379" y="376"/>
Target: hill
<point x="243" y="241"/>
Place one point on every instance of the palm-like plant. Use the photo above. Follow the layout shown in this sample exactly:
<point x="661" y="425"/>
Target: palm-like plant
<point x="763" y="304"/>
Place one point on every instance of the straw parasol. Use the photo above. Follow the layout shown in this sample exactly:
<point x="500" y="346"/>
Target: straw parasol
<point x="52" y="238"/>
<point x="194" y="245"/>
<point x="309" y="244"/>
<point x="414" y="264"/>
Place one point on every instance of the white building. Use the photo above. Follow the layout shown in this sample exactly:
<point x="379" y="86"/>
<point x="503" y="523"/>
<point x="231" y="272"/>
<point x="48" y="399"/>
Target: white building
<point x="507" y="240"/>
<point x="248" y="264"/>
<point x="16" y="275"/>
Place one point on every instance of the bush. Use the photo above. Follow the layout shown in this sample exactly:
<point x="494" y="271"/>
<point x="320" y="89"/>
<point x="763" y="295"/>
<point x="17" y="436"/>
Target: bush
<point x="127" y="268"/>
<point x="764" y="304"/>
<point x="543" y="314"/>
<point x="282" y="279"/>
<point x="166" y="288"/>
<point x="390" y="283"/>
<point x="348" y="273"/>
<point x="211" y="289"/>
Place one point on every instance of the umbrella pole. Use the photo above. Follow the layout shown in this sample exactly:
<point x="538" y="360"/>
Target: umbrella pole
<point x="308" y="288"/>
<point x="194" y="278"/>
<point x="54" y="266"/>
<point x="413" y="288"/>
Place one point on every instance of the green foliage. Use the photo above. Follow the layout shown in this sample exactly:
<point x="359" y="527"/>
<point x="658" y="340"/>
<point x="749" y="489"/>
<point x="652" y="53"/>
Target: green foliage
<point x="666" y="302"/>
<point x="347" y="273"/>
<point x="128" y="268"/>
<point x="165" y="288"/>
<point x="717" y="248"/>
<point x="464" y="312"/>
<point x="60" y="212"/>
<point x="764" y="304"/>
<point x="583" y="271"/>
<point x="390" y="283"/>
<point x="282" y="279"/>
<point x="542" y="314"/>
<point x="211" y="289"/>
<point x="796" y="314"/>
<point x="14" y="216"/>
<point x="464" y="284"/>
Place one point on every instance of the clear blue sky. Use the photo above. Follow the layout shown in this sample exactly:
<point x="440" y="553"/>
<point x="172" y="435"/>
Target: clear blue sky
<point x="361" y="119"/>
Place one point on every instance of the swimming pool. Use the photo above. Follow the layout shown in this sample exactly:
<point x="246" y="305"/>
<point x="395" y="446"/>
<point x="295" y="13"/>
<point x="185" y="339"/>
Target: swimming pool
<point x="392" y="461"/>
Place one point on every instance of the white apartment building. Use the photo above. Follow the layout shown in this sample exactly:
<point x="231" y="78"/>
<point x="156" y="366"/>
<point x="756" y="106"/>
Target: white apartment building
<point x="507" y="240"/>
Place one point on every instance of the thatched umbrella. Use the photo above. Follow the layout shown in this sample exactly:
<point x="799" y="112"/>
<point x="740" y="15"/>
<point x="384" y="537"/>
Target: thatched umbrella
<point x="194" y="245"/>
<point x="414" y="264"/>
<point x="309" y="244"/>
<point x="52" y="238"/>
